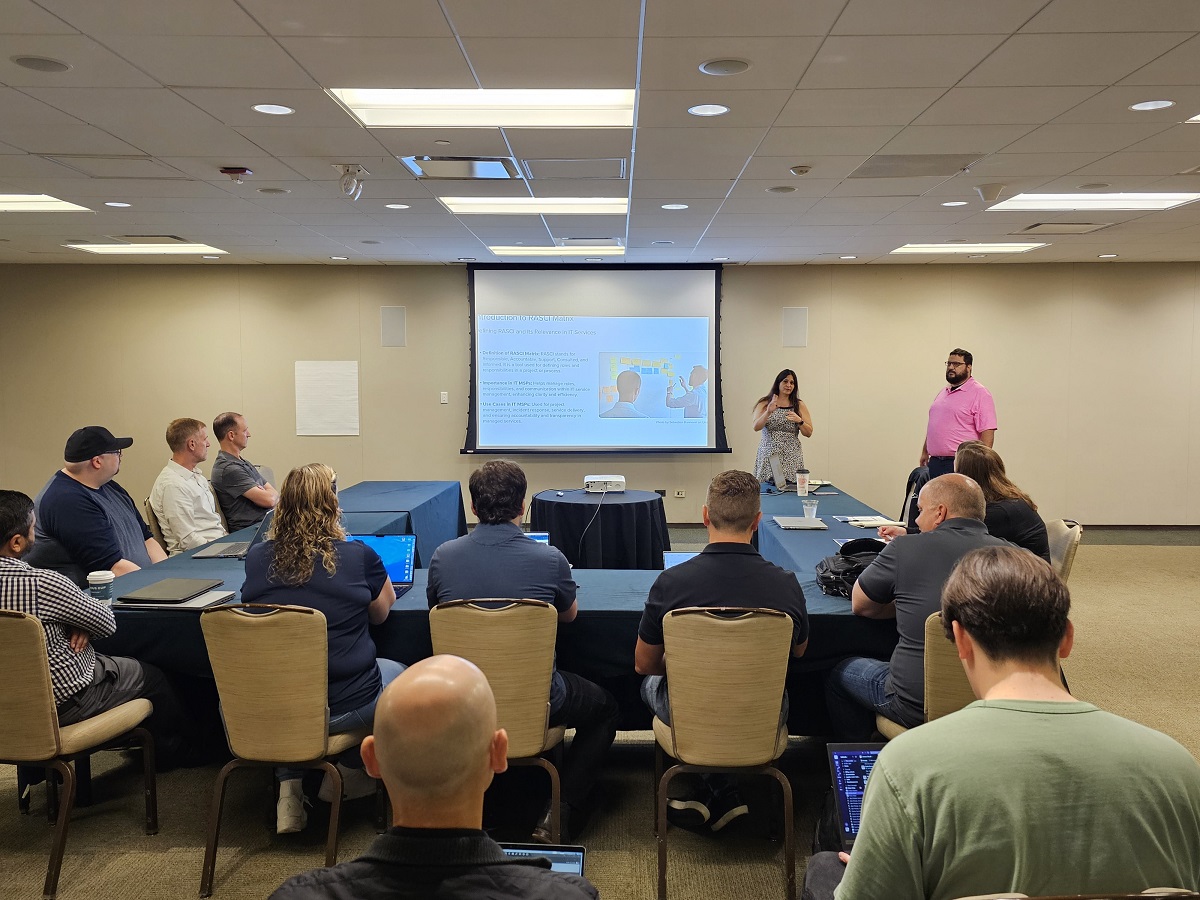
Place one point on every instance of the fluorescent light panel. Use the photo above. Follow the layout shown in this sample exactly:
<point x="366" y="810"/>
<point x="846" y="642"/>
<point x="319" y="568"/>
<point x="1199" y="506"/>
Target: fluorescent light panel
<point x="37" y="203"/>
<point x="506" y="108"/>
<point x="557" y="251"/>
<point x="1094" y="201"/>
<point x="158" y="249"/>
<point x="967" y="248"/>
<point x="535" y="206"/>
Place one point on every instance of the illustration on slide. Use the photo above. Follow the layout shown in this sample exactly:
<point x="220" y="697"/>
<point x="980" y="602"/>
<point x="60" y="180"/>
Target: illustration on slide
<point x="641" y="385"/>
<point x="694" y="397"/>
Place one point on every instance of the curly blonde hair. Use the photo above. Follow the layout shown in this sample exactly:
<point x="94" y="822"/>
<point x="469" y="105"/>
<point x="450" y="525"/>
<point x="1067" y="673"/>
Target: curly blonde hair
<point x="307" y="524"/>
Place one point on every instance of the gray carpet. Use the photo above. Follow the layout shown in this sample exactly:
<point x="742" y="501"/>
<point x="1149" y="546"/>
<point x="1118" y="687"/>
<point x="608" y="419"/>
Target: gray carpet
<point x="1136" y="617"/>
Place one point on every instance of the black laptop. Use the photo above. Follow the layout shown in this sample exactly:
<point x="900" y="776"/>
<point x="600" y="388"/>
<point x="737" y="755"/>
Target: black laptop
<point x="563" y="857"/>
<point x="399" y="555"/>
<point x="849" y="767"/>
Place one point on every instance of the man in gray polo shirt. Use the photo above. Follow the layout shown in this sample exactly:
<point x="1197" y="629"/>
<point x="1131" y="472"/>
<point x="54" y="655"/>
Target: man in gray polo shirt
<point x="905" y="583"/>
<point x="244" y="495"/>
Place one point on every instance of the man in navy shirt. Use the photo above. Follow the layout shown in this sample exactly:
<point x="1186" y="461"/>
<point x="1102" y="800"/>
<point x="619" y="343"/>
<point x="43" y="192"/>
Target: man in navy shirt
<point x="497" y="560"/>
<point x="87" y="517"/>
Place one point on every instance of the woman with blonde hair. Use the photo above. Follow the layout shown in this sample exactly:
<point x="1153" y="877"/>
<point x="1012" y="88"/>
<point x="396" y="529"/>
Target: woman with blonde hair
<point x="1011" y="513"/>
<point x="307" y="561"/>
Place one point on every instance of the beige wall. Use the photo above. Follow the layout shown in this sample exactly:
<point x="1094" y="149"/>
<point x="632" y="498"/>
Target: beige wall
<point x="1094" y="369"/>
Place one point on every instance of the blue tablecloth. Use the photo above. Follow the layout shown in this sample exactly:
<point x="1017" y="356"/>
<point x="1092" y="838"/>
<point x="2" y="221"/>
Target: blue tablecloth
<point x="435" y="509"/>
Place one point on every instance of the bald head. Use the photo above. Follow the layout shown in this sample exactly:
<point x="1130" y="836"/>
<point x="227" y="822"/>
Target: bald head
<point x="435" y="732"/>
<point x="961" y="496"/>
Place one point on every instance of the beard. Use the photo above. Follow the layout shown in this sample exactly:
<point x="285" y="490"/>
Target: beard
<point x="956" y="377"/>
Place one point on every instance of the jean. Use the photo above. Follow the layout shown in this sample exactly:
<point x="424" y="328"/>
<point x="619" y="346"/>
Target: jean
<point x="822" y="876"/>
<point x="855" y="690"/>
<point x="592" y="712"/>
<point x="355" y="719"/>
<point x="939" y="465"/>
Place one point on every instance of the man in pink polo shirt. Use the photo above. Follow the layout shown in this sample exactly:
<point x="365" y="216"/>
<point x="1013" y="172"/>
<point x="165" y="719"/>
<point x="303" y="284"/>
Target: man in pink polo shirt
<point x="964" y="411"/>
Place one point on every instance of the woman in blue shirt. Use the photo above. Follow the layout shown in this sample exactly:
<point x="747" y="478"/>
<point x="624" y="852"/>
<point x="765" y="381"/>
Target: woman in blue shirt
<point x="307" y="561"/>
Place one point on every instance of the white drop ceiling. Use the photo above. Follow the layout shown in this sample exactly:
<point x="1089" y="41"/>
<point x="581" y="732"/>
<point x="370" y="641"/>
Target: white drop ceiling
<point x="158" y="98"/>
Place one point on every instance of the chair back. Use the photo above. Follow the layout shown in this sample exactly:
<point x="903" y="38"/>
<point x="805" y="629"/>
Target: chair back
<point x="153" y="524"/>
<point x="220" y="510"/>
<point x="268" y="475"/>
<point x="30" y="730"/>
<point x="917" y="479"/>
<point x="726" y="669"/>
<point x="946" y="687"/>
<point x="1064" y="535"/>
<point x="271" y="668"/>
<point x="512" y="642"/>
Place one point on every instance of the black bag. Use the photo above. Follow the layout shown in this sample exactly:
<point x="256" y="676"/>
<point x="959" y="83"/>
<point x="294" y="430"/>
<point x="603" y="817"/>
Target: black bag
<point x="836" y="574"/>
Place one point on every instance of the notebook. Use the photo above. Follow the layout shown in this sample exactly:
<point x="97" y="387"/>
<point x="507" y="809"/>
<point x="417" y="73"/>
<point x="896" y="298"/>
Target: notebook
<point x="236" y="549"/>
<point x="542" y="537"/>
<point x="675" y="557"/>
<point x="849" y="767"/>
<point x="800" y="523"/>
<point x="399" y="555"/>
<point x="171" y="591"/>
<point x="198" y="604"/>
<point x="563" y="857"/>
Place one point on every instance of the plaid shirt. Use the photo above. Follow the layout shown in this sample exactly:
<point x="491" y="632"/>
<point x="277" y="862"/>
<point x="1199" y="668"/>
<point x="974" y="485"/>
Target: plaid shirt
<point x="60" y="606"/>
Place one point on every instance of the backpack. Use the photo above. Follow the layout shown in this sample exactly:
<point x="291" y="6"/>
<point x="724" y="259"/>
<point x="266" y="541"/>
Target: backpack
<point x="836" y="574"/>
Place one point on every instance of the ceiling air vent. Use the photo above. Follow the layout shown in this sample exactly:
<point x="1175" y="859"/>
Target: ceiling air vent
<point x="1063" y="228"/>
<point x="574" y="169"/>
<point x="915" y="165"/>
<point x="461" y="168"/>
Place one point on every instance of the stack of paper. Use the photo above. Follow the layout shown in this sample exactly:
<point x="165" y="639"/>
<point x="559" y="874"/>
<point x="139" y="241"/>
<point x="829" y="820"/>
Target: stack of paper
<point x="868" y="521"/>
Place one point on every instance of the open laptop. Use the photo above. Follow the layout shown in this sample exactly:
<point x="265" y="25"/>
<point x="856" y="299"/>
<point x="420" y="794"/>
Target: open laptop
<point x="236" y="549"/>
<point x="849" y="767"/>
<point x="399" y="555"/>
<point x="563" y="857"/>
<point x="542" y="537"/>
<point x="675" y="557"/>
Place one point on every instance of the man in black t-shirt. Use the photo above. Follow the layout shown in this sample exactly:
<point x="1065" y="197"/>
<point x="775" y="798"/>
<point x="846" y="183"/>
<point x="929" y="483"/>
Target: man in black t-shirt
<point x="730" y="572"/>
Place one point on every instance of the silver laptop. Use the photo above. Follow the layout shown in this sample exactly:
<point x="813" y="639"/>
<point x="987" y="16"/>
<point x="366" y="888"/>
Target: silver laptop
<point x="800" y="523"/>
<point x="236" y="549"/>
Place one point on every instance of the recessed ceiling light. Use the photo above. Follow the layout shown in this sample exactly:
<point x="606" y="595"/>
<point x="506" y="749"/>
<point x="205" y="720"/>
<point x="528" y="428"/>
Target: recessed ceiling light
<point x="661" y="243"/>
<point x="977" y="256"/>
<point x="674" y="206"/>
<point x="146" y="249"/>
<point x="708" y="109"/>
<point x="1093" y="186"/>
<point x="41" y="63"/>
<point x="729" y="66"/>
<point x="443" y="142"/>
<point x="274" y="191"/>
<point x="593" y="259"/>
<point x="37" y="203"/>
<point x="116" y="204"/>
<point x="967" y="248"/>
<point x="847" y="257"/>
<point x="800" y="171"/>
<point x="368" y="242"/>
<point x="211" y="257"/>
<point x="955" y="203"/>
<point x="1107" y="256"/>
<point x="522" y="250"/>
<point x="272" y="109"/>
<point x="466" y="259"/>
<point x="397" y="205"/>
<point x="502" y="108"/>
<point x="1144" y="200"/>
<point x="339" y="257"/>
<point x="534" y="206"/>
<point x="720" y="259"/>
<point x="781" y="189"/>
<point x="1147" y="105"/>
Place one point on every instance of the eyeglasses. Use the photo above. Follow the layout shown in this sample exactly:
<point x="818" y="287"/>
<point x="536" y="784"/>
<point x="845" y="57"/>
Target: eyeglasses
<point x="113" y="452"/>
<point x="954" y="365"/>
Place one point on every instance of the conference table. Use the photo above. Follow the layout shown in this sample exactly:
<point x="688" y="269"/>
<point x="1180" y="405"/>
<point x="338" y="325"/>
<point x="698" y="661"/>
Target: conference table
<point x="432" y="510"/>
<point x="598" y="645"/>
<point x="612" y="530"/>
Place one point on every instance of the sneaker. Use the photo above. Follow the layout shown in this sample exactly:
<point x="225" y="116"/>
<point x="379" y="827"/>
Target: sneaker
<point x="691" y="814"/>
<point x="355" y="783"/>
<point x="290" y="814"/>
<point x="725" y="808"/>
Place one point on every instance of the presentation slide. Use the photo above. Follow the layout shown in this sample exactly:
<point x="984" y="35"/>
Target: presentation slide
<point x="587" y="360"/>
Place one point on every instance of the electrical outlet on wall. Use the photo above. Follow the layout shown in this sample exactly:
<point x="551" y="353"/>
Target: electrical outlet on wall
<point x="445" y="397"/>
<point x="679" y="495"/>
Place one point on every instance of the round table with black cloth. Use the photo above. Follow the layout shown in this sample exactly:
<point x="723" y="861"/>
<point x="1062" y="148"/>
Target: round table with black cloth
<point x="626" y="530"/>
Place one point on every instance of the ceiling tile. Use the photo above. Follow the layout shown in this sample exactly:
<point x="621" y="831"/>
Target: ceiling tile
<point x="573" y="62"/>
<point x="375" y="62"/>
<point x="1179" y="138"/>
<point x="1066" y="59"/>
<point x="935" y="16"/>
<point x="1003" y="105"/>
<point x="57" y="140"/>
<point x="888" y="187"/>
<point x="1111" y="106"/>
<point x="1082" y="138"/>
<point x="17" y="108"/>
<point x="821" y="168"/>
<point x="570" y="143"/>
<point x="746" y="108"/>
<point x="1033" y="165"/>
<point x="423" y="141"/>
<point x="890" y="62"/>
<point x="826" y="141"/>
<point x="1178" y="66"/>
<point x="336" y="143"/>
<point x="233" y="106"/>
<point x="1130" y="163"/>
<point x="349" y="18"/>
<point x="674" y="63"/>
<point x="545" y="18"/>
<point x="979" y="139"/>
<point x="668" y="189"/>
<point x="804" y="187"/>
<point x="26" y="17"/>
<point x="855" y="106"/>
<point x="685" y="18"/>
<point x="155" y="17"/>
<point x="190" y="61"/>
<point x="91" y="64"/>
<point x="1116" y="15"/>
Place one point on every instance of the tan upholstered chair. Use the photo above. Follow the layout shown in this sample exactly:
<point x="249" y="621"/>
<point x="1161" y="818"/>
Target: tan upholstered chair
<point x="271" y="668"/>
<point x="946" y="687"/>
<point x="220" y="512"/>
<point x="726" y="669"/>
<point x="512" y="642"/>
<point x="1064" y="535"/>
<point x="31" y="736"/>
<point x="268" y="475"/>
<point x="154" y="525"/>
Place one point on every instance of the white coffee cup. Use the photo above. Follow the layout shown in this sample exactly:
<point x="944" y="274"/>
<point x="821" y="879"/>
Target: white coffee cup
<point x="100" y="585"/>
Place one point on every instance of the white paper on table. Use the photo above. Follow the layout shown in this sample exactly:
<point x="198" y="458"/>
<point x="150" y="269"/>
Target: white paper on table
<point x="326" y="397"/>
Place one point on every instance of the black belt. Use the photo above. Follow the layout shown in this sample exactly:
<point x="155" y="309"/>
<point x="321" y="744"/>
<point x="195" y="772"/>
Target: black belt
<point x="941" y="457"/>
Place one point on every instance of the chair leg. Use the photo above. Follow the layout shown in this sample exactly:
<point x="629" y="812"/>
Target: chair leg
<point x="661" y="829"/>
<point x="335" y="811"/>
<point x="51" y="796"/>
<point x="50" y="890"/>
<point x="789" y="837"/>
<point x="214" y="827"/>
<point x="150" y="776"/>
<point x="555" y="791"/>
<point x="658" y="773"/>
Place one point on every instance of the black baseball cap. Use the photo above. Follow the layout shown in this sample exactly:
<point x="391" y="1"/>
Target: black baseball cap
<point x="93" y="440"/>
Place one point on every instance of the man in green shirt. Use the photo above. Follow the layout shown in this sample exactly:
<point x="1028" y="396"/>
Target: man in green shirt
<point x="1027" y="789"/>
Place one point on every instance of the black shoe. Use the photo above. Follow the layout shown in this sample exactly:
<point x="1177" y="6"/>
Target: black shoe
<point x="724" y="808"/>
<point x="570" y="823"/>
<point x="691" y="814"/>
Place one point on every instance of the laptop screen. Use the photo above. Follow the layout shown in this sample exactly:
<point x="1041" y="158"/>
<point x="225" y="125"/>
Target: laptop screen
<point x="563" y="858"/>
<point x="542" y="537"/>
<point x="675" y="557"/>
<point x="849" y="766"/>
<point x="398" y="552"/>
